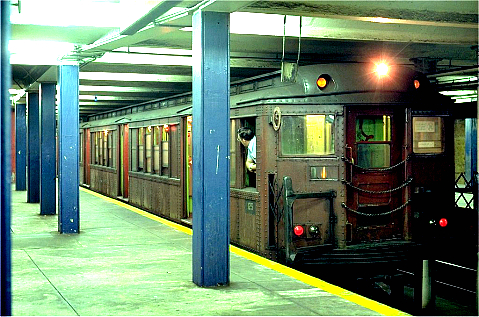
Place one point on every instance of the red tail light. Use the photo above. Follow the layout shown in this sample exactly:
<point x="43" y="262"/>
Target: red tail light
<point x="443" y="222"/>
<point x="298" y="230"/>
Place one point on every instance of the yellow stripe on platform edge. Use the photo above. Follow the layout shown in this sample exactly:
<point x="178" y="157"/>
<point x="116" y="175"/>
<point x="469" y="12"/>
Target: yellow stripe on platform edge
<point x="300" y="276"/>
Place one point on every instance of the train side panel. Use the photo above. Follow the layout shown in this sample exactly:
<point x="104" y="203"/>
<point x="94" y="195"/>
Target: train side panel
<point x="347" y="150"/>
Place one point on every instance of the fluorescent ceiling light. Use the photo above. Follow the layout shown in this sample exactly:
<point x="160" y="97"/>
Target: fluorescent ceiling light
<point x="347" y="28"/>
<point x="107" y="98"/>
<point x="115" y="89"/>
<point x="38" y="52"/>
<point x="461" y="96"/>
<point x="456" y="79"/>
<point x="133" y="77"/>
<point x="261" y="24"/>
<point x="380" y="20"/>
<point x="463" y="100"/>
<point x="12" y="91"/>
<point x="459" y="92"/>
<point x="157" y="51"/>
<point x="17" y="94"/>
<point x="81" y="12"/>
<point x="144" y="59"/>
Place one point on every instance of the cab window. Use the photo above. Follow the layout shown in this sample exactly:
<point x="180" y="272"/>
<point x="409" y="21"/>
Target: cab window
<point x="428" y="135"/>
<point x="240" y="177"/>
<point x="373" y="141"/>
<point x="309" y="135"/>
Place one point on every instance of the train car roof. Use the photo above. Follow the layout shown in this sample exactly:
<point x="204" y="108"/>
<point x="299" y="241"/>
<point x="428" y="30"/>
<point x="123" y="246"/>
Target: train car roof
<point x="346" y="83"/>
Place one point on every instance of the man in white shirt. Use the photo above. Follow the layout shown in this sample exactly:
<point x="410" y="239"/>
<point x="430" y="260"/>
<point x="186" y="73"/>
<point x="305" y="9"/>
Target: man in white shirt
<point x="248" y="139"/>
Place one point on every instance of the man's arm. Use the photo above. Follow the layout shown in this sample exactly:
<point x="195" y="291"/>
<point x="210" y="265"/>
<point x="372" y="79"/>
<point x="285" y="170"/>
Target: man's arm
<point x="250" y="165"/>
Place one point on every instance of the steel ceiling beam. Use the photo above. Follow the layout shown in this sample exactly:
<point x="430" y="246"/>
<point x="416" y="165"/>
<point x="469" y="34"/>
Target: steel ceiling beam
<point x="154" y="13"/>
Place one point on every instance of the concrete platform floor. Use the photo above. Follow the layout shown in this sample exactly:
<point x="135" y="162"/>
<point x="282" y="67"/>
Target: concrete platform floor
<point x="128" y="262"/>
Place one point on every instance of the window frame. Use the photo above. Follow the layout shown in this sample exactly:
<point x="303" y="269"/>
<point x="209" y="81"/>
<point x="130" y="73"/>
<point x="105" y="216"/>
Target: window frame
<point x="241" y="153"/>
<point x="309" y="155"/>
<point x="389" y="141"/>
<point x="442" y="130"/>
<point x="146" y="148"/>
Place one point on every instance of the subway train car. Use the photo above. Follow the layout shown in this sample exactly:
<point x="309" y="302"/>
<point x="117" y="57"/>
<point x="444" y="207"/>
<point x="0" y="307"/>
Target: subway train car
<point x="355" y="162"/>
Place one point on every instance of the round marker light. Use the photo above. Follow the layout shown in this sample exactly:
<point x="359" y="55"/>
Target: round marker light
<point x="443" y="222"/>
<point x="382" y="69"/>
<point x="416" y="84"/>
<point x="323" y="81"/>
<point x="298" y="230"/>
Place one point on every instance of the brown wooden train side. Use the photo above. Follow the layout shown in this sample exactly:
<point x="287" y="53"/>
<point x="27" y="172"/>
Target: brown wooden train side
<point x="257" y="200"/>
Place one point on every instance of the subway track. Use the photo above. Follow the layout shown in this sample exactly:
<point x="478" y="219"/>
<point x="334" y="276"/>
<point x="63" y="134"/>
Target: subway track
<point x="454" y="285"/>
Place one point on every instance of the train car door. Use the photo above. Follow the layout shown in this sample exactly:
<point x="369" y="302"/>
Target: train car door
<point x="374" y="174"/>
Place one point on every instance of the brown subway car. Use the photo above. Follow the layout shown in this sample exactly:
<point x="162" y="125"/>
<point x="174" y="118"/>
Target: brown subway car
<point x="354" y="164"/>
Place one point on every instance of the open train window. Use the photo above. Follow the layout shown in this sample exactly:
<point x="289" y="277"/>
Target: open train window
<point x="373" y="141"/>
<point x="243" y="177"/>
<point x="428" y="135"/>
<point x="308" y="135"/>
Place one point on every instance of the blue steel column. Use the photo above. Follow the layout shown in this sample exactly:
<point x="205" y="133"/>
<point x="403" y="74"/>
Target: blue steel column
<point x="33" y="149"/>
<point x="211" y="193"/>
<point x="21" y="147"/>
<point x="5" y="163"/>
<point x="68" y="155"/>
<point x="47" y="149"/>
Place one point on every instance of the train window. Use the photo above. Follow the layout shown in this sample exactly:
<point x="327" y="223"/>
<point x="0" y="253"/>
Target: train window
<point x="174" y="142"/>
<point x="134" y="150"/>
<point x="428" y="135"/>
<point x="156" y="150"/>
<point x="373" y="140"/>
<point x="164" y="150"/>
<point x="94" y="148"/>
<point x="114" y="146"/>
<point x="99" y="147"/>
<point x="374" y="128"/>
<point x="148" y="150"/>
<point x="141" y="149"/>
<point x="307" y="135"/>
<point x="105" y="148"/>
<point x="111" y="148"/>
<point x="374" y="155"/>
<point x="248" y="178"/>
<point x="324" y="172"/>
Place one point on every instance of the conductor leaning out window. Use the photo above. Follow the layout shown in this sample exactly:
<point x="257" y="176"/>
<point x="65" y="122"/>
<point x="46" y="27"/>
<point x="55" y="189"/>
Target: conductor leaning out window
<point x="247" y="138"/>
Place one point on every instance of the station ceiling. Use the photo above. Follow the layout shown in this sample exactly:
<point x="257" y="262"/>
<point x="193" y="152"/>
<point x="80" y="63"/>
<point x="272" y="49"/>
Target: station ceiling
<point x="133" y="51"/>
